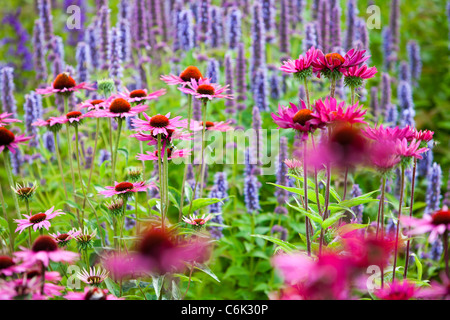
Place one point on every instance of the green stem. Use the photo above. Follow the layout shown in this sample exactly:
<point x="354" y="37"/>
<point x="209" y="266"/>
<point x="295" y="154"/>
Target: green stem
<point x="333" y="88"/>
<point x="307" y="93"/>
<point x="413" y="183"/>
<point x="400" y="203"/>
<point x="80" y="178"/>
<point x="111" y="151"/>
<point x="166" y="181"/>
<point x="11" y="231"/>
<point x="119" y="129"/>
<point x="11" y="181"/>
<point x="202" y="176"/>
<point x="58" y="156"/>
<point x="161" y="180"/>
<point x="69" y="144"/>
<point x="353" y="91"/>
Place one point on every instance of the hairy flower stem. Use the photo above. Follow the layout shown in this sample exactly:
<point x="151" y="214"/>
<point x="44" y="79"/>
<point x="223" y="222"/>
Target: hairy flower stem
<point x="316" y="182"/>
<point x="161" y="180"/>
<point x="408" y="243"/>
<point x="79" y="173"/>
<point x="119" y="130"/>
<point x="113" y="177"/>
<point x="166" y="180"/>
<point x="202" y="176"/>
<point x="93" y="159"/>
<point x="189" y="115"/>
<point x="400" y="203"/>
<point x="353" y="95"/>
<point x="43" y="269"/>
<point x="136" y="213"/>
<point x="11" y="181"/>
<point x="305" y="186"/>
<point x="307" y="93"/>
<point x="27" y="206"/>
<point x="5" y="216"/>
<point x="381" y="221"/>
<point x="333" y="88"/>
<point x="69" y="146"/>
<point x="58" y="156"/>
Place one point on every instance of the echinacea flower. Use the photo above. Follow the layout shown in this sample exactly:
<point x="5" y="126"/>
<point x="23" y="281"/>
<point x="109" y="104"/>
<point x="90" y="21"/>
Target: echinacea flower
<point x="4" y="120"/>
<point x="91" y="293"/>
<point x="437" y="290"/>
<point x="332" y="65"/>
<point x="38" y="221"/>
<point x="64" y="84"/>
<point x="383" y="155"/>
<point x="72" y="117"/>
<point x="410" y="151"/>
<point x="44" y="250"/>
<point x="197" y="221"/>
<point x="293" y="164"/>
<point x="28" y="288"/>
<point x="329" y="111"/>
<point x="299" y="118"/>
<point x="118" y="108"/>
<point x="398" y="290"/>
<point x="140" y="95"/>
<point x="9" y="266"/>
<point x="62" y="239"/>
<point x="115" y="208"/>
<point x="173" y="134"/>
<point x="423" y="135"/>
<point x="222" y="126"/>
<point x="85" y="239"/>
<point x="301" y="67"/>
<point x="171" y="154"/>
<point x="125" y="189"/>
<point x="52" y="124"/>
<point x="93" y="104"/>
<point x="11" y="141"/>
<point x="387" y="133"/>
<point x="189" y="74"/>
<point x="354" y="76"/>
<point x="94" y="277"/>
<point x="24" y="192"/>
<point x="158" y="124"/>
<point x="436" y="223"/>
<point x="205" y="90"/>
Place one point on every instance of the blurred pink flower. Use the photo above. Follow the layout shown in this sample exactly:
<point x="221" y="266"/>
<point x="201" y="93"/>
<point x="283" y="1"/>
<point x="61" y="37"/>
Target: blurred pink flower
<point x="329" y="111"/>
<point x="10" y="141"/>
<point x="436" y="223"/>
<point x="398" y="290"/>
<point x="4" y="120"/>
<point x="91" y="293"/>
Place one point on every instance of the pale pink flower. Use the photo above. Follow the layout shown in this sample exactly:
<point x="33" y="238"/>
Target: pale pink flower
<point x="118" y="108"/>
<point x="197" y="221"/>
<point x="63" y="238"/>
<point x="94" y="277"/>
<point x="410" y="151"/>
<point x="184" y="78"/>
<point x="4" y="120"/>
<point x="140" y="95"/>
<point x="65" y="84"/>
<point x="436" y="223"/>
<point x="38" y="221"/>
<point x="158" y="124"/>
<point x="126" y="188"/>
<point x="9" y="266"/>
<point x="173" y="135"/>
<point x="91" y="293"/>
<point x="204" y="89"/>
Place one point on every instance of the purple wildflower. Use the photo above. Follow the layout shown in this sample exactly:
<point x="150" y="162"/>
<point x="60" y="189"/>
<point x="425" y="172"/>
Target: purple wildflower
<point x="258" y="48"/>
<point x="282" y="194"/>
<point x="352" y="12"/>
<point x="105" y="38"/>
<point x="33" y="112"/>
<point x="241" y="67"/>
<point x="115" y="68"/>
<point x="284" y="27"/>
<point x="7" y="91"/>
<point x="216" y="25"/>
<point x="433" y="196"/>
<point x="281" y="230"/>
<point x="415" y="61"/>
<point x="213" y="70"/>
<point x="233" y="31"/>
<point x="359" y="209"/>
<point x="39" y="63"/>
<point x="406" y="104"/>
<point x="230" y="104"/>
<point x="323" y="25"/>
<point x="310" y="39"/>
<point x="84" y="64"/>
<point x="259" y="89"/>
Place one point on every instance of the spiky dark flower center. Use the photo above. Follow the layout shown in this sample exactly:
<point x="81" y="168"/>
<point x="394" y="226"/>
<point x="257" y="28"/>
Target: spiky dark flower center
<point x="73" y="114"/>
<point x="24" y="191"/>
<point x="206" y="89"/>
<point x="334" y="59"/>
<point x="64" y="81"/>
<point x="302" y="116"/>
<point x="199" y="221"/>
<point x="5" y="262"/>
<point x="95" y="294"/>
<point x="96" y="102"/>
<point x="94" y="280"/>
<point x="159" y="121"/>
<point x="208" y="124"/>
<point x="33" y="273"/>
<point x="119" y="105"/>
<point x="44" y="243"/>
<point x="169" y="152"/>
<point x="62" y="237"/>
<point x="138" y="93"/>
<point x="38" y="218"/>
<point x="123" y="186"/>
<point x="441" y="217"/>
<point x="190" y="73"/>
<point x="6" y="136"/>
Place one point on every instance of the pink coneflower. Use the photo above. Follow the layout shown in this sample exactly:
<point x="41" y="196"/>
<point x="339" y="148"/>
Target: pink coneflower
<point x="301" y="67"/>
<point x="332" y="64"/>
<point x="4" y="120"/>
<point x="52" y="124"/>
<point x="10" y="141"/>
<point x="62" y="239"/>
<point x="438" y="290"/>
<point x="158" y="124"/>
<point x="205" y="90"/>
<point x="293" y="164"/>
<point x="409" y="151"/>
<point x="38" y="221"/>
<point x="437" y="223"/>
<point x="355" y="75"/>
<point x="172" y="135"/>
<point x="171" y="154"/>
<point x="91" y="293"/>
<point x="72" y="117"/>
<point x="197" y="221"/>
<point x="93" y="104"/>
<point x="301" y="119"/>
<point x="222" y="126"/>
<point x="44" y="250"/>
<point x="423" y="135"/>
<point x="28" y="288"/>
<point x="387" y="133"/>
<point x="383" y="155"/>
<point x="9" y="266"/>
<point x="140" y="95"/>
<point x="189" y="74"/>
<point x="119" y="108"/>
<point x="64" y="84"/>
<point x="94" y="277"/>
<point x="398" y="290"/>
<point x="126" y="188"/>
<point x="330" y="112"/>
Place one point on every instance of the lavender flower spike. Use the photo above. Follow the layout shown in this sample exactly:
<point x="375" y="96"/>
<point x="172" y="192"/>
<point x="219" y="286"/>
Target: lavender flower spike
<point x="433" y="197"/>
<point x="233" y="28"/>
<point x="7" y="91"/>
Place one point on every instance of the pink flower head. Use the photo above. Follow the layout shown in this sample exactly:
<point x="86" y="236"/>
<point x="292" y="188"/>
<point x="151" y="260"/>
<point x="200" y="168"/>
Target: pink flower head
<point x="329" y="111"/>
<point x="140" y="95"/>
<point x="409" y="151"/>
<point x="93" y="104"/>
<point x="53" y="124"/>
<point x="38" y="221"/>
<point x="197" y="221"/>
<point x="9" y="266"/>
<point x="298" y="118"/>
<point x="398" y="290"/>
<point x="91" y="293"/>
<point x="301" y="66"/>
<point x="64" y="84"/>
<point x="423" y="135"/>
<point x="158" y="124"/>
<point x="332" y="65"/>
<point x="204" y="89"/>
<point x="4" y="120"/>
<point x="11" y="141"/>
<point x="293" y="164"/>
<point x="383" y="155"/>
<point x="362" y="72"/>
<point x="72" y="117"/>
<point x="173" y="135"/>
<point x="185" y="78"/>
<point x="93" y="277"/>
<point x="45" y="249"/>
<point x="118" y="108"/>
<point x="222" y="126"/>
<point x="436" y="223"/>
<point x="387" y="133"/>
<point x="62" y="239"/>
<point x="126" y="188"/>
<point x="438" y="290"/>
<point x="171" y="154"/>
<point x="29" y="288"/>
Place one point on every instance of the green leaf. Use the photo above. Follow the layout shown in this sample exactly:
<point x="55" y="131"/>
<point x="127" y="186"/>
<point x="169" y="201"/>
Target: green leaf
<point x="125" y="153"/>
<point x="350" y="227"/>
<point x="73" y="204"/>
<point x="314" y="217"/>
<point x="206" y="269"/>
<point x="418" y="266"/>
<point x="331" y="220"/>
<point x="200" y="203"/>
<point x="358" y="200"/>
<point x="112" y="287"/>
<point x="157" y="284"/>
<point x="176" y="294"/>
<point x="285" y="245"/>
